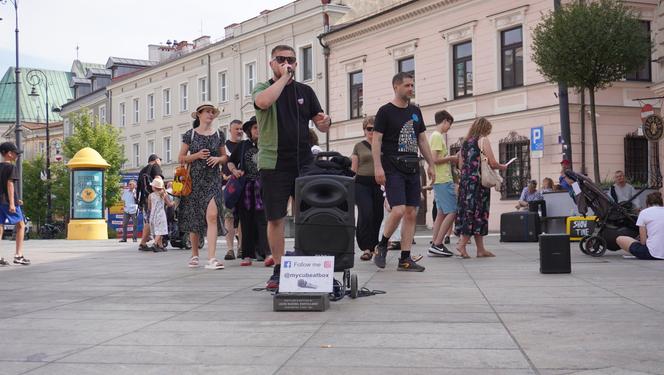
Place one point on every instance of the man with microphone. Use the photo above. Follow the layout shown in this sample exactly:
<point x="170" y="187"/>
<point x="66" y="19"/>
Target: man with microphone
<point x="283" y="110"/>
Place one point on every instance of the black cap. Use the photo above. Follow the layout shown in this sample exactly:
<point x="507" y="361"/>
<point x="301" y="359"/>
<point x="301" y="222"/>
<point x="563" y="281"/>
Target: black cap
<point x="153" y="157"/>
<point x="9" y="146"/>
<point x="246" y="127"/>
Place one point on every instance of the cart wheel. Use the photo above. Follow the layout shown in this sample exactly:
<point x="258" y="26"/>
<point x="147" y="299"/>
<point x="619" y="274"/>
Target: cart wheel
<point x="353" y="286"/>
<point x="186" y="242"/>
<point x="201" y="242"/>
<point x="582" y="245"/>
<point x="596" y="246"/>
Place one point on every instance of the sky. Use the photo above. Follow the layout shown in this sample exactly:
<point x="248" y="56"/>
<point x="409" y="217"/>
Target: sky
<point x="50" y="30"/>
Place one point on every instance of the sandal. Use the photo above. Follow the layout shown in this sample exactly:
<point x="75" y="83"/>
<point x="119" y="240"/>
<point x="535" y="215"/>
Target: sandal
<point x="462" y="254"/>
<point x="214" y="264"/>
<point x="193" y="262"/>
<point x="416" y="258"/>
<point x="367" y="255"/>
<point x="230" y="255"/>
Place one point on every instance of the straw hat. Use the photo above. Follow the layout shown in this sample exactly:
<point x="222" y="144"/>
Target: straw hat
<point x="157" y="183"/>
<point x="203" y="106"/>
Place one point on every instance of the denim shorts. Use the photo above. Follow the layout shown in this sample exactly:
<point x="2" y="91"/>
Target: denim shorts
<point x="446" y="198"/>
<point x="640" y="251"/>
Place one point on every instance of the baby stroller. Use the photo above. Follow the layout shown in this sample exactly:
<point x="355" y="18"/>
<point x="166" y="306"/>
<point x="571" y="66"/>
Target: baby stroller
<point x="176" y="237"/>
<point x="613" y="219"/>
<point x="324" y="210"/>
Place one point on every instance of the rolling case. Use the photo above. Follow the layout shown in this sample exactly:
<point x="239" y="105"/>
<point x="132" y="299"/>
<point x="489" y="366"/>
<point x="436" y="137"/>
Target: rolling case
<point x="554" y="253"/>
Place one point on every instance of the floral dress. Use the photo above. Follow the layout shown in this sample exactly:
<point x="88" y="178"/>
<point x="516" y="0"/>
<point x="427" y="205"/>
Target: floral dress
<point x="473" y="201"/>
<point x="206" y="185"/>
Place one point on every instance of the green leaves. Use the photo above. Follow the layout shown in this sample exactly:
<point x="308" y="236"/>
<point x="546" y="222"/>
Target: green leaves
<point x="590" y="45"/>
<point x="104" y="139"/>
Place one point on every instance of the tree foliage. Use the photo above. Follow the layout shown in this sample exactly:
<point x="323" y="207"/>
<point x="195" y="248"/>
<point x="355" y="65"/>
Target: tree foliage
<point x="590" y="45"/>
<point x="34" y="192"/>
<point x="104" y="139"/>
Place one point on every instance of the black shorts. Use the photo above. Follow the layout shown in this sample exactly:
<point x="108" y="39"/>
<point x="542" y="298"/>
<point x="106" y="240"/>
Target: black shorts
<point x="640" y="251"/>
<point x="277" y="188"/>
<point x="402" y="189"/>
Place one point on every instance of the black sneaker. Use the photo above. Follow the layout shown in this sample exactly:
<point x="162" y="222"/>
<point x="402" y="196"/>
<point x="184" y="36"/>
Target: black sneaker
<point x="409" y="265"/>
<point x="273" y="283"/>
<point x="381" y="256"/>
<point x="440" y="250"/>
<point x="447" y="240"/>
<point x="3" y="262"/>
<point x="22" y="261"/>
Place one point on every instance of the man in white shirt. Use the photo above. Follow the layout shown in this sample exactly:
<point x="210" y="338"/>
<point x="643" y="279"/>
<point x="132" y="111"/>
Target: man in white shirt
<point x="621" y="191"/>
<point x="651" y="231"/>
<point x="130" y="210"/>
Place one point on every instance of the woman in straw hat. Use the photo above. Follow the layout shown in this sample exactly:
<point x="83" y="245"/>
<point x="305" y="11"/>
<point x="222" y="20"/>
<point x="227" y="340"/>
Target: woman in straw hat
<point x="203" y="149"/>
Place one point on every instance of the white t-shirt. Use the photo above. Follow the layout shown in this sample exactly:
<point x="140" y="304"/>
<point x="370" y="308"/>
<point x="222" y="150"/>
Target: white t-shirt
<point x="653" y="219"/>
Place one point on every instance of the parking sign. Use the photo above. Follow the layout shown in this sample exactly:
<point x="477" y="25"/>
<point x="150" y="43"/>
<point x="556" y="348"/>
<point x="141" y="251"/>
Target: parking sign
<point x="537" y="141"/>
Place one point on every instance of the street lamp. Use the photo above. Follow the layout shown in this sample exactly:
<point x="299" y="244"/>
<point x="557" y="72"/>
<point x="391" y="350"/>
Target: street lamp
<point x="36" y="77"/>
<point x="18" y="128"/>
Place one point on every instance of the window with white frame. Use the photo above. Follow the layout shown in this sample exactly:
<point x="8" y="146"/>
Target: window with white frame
<point x="167" y="102"/>
<point x="137" y="154"/>
<point x="102" y="114"/>
<point x="123" y="114"/>
<point x="184" y="100"/>
<point x="250" y="71"/>
<point x="151" y="107"/>
<point x="150" y="146"/>
<point x="463" y="69"/>
<point x="306" y="60"/>
<point x="356" y="94"/>
<point x="511" y="47"/>
<point x="167" y="149"/>
<point x="202" y="89"/>
<point x="136" y="112"/>
<point x="223" y="87"/>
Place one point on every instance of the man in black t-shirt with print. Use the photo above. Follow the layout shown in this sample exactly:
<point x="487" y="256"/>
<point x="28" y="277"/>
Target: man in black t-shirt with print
<point x="398" y="131"/>
<point x="145" y="177"/>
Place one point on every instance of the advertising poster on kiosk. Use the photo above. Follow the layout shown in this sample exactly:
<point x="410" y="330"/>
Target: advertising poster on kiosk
<point x="116" y="212"/>
<point x="88" y="195"/>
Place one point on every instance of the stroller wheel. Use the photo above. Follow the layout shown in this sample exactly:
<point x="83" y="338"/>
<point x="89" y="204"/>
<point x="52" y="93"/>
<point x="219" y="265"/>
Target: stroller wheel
<point x="186" y="242"/>
<point x="596" y="246"/>
<point x="201" y="242"/>
<point x="582" y="245"/>
<point x="353" y="286"/>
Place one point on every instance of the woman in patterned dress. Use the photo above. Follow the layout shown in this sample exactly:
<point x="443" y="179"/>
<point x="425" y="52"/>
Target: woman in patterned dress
<point x="203" y="149"/>
<point x="473" y="200"/>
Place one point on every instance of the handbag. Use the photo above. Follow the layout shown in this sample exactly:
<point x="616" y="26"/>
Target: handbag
<point x="234" y="188"/>
<point x="182" y="184"/>
<point x="490" y="177"/>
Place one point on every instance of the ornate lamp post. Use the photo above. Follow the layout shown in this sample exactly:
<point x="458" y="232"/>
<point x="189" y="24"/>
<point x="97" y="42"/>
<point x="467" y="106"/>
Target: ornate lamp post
<point x="36" y="77"/>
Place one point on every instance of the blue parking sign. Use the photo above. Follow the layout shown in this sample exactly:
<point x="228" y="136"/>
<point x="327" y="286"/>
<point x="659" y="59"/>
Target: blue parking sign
<point x="537" y="138"/>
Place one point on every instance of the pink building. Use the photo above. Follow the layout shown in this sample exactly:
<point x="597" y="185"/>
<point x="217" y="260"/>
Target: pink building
<point x="473" y="58"/>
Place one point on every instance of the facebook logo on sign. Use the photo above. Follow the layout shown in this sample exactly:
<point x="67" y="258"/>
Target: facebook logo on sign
<point x="287" y="264"/>
<point x="327" y="264"/>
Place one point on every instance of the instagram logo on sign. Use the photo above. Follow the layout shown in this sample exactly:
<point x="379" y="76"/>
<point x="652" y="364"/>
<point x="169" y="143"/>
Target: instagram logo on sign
<point x="327" y="264"/>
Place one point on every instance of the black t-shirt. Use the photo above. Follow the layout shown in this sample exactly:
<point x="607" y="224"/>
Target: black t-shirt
<point x="296" y="105"/>
<point x="401" y="128"/>
<point x="142" y="187"/>
<point x="8" y="172"/>
<point x="230" y="148"/>
<point x="245" y="158"/>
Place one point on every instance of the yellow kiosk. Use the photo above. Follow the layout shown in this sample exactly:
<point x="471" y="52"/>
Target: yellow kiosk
<point x="87" y="196"/>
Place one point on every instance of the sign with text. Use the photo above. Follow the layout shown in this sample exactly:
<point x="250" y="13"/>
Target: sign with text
<point x="306" y="274"/>
<point x="580" y="226"/>
<point x="537" y="141"/>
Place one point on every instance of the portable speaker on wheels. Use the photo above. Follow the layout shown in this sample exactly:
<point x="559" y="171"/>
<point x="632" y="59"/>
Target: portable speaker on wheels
<point x="554" y="253"/>
<point x="324" y="211"/>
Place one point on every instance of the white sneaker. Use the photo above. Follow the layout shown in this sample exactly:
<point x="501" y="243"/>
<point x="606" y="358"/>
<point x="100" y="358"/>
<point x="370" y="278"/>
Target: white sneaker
<point x="214" y="264"/>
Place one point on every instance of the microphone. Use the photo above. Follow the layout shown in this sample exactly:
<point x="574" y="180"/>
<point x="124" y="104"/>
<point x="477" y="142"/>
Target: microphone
<point x="304" y="284"/>
<point x="290" y="71"/>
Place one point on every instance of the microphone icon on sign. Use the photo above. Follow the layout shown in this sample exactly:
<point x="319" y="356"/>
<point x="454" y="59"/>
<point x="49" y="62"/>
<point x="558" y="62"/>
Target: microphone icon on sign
<point x="304" y="284"/>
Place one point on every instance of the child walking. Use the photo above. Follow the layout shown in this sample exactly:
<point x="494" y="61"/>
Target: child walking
<point x="158" y="223"/>
<point x="10" y="205"/>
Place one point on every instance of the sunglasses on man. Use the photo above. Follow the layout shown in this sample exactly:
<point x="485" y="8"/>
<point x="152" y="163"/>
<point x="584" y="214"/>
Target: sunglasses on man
<point x="282" y="59"/>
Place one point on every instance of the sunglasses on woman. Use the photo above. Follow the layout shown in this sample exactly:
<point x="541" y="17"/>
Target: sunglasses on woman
<point x="281" y="59"/>
<point x="369" y="129"/>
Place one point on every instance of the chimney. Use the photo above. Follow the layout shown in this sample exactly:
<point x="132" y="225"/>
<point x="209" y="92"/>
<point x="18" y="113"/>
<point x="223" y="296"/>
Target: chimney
<point x="202" y="41"/>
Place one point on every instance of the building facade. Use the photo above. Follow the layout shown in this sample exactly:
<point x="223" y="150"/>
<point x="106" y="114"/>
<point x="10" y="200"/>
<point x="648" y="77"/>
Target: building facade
<point x="152" y="107"/>
<point x="473" y="58"/>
